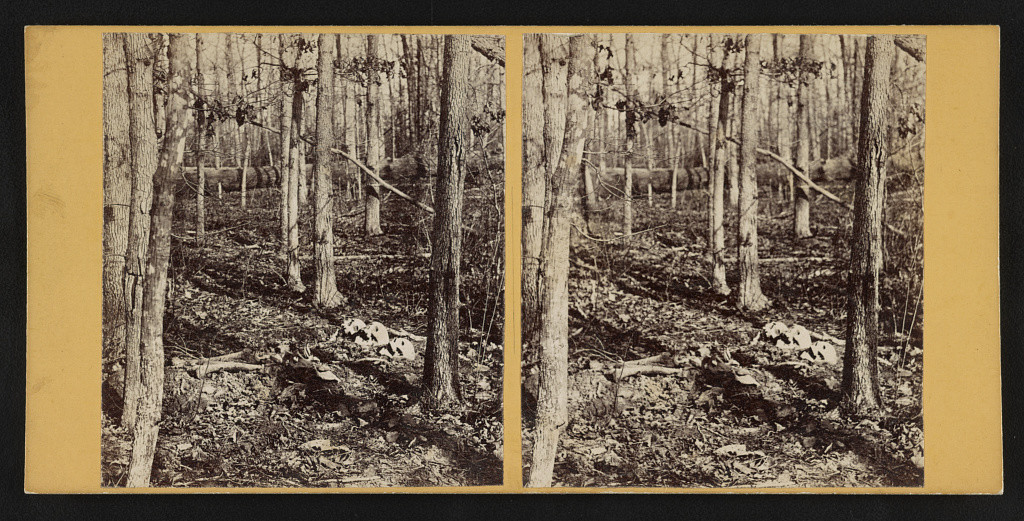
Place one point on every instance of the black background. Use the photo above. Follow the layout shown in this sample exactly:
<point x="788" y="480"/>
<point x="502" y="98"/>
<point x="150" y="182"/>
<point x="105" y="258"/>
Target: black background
<point x="16" y="505"/>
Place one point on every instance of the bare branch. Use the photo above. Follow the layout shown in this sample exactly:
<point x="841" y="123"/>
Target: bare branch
<point x="912" y="45"/>
<point x="489" y="46"/>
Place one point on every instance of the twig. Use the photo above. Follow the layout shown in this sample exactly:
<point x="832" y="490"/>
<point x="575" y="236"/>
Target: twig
<point x="620" y="237"/>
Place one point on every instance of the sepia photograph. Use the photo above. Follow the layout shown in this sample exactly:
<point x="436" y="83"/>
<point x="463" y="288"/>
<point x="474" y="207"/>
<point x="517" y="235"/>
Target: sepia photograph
<point x="303" y="260"/>
<point x="722" y="260"/>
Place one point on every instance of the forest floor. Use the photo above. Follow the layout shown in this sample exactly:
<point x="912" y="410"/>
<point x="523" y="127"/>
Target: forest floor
<point x="320" y="409"/>
<point x="741" y="410"/>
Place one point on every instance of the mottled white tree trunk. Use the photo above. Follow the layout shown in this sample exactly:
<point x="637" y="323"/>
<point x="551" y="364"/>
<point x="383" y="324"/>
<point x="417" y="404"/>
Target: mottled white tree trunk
<point x="144" y="435"/>
<point x="552" y="413"/>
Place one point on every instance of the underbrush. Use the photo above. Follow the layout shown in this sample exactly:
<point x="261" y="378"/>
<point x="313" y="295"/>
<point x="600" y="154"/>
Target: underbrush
<point x="635" y="297"/>
<point x="284" y="425"/>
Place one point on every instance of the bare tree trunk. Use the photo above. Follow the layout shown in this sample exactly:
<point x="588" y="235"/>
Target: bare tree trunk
<point x="775" y="111"/>
<point x="732" y="167"/>
<point x="441" y="364"/>
<point x="533" y="186"/>
<point x="553" y="77"/>
<point x="783" y="119"/>
<point x="716" y="57"/>
<point x="272" y="78"/>
<point x="374" y="143"/>
<point x="295" y="175"/>
<point x="117" y="192"/>
<point x="716" y="210"/>
<point x="860" y="388"/>
<point x="409" y="61"/>
<point x="648" y="160"/>
<point x="750" y="296"/>
<point x="826" y="80"/>
<point x="159" y="94"/>
<point x="552" y="413"/>
<point x="325" y="287"/>
<point x="287" y="54"/>
<point x="245" y="132"/>
<point x="392" y="118"/>
<point x="602" y="125"/>
<point x="155" y="287"/>
<point x="245" y="173"/>
<point x="139" y="52"/>
<point x="631" y="94"/>
<point x="204" y="120"/>
<point x="341" y="100"/>
<point x="299" y="110"/>
<point x="802" y="194"/>
<point x="858" y="83"/>
<point x="589" y="188"/>
<point x="670" y="142"/>
<point x="698" y="147"/>
<point x="231" y="95"/>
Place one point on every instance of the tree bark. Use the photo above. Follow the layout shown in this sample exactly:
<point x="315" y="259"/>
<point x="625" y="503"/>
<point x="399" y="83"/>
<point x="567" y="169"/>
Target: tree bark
<point x="826" y="149"/>
<point x="533" y="186"/>
<point x="286" y="54"/>
<point x="441" y="364"/>
<point x="631" y="94"/>
<point x="155" y="287"/>
<point x="139" y="52"/>
<point x="750" y="296"/>
<point x="670" y="142"/>
<point x="295" y="177"/>
<point x="715" y="57"/>
<point x="802" y="193"/>
<point x="325" y="287"/>
<point x="373" y="138"/>
<point x="589" y="190"/>
<point x="117" y="192"/>
<point x="860" y="388"/>
<point x="299" y="110"/>
<point x="247" y="134"/>
<point x="231" y="96"/>
<point x="698" y="147"/>
<point x="489" y="47"/>
<point x="732" y="166"/>
<point x="912" y="45"/>
<point x="160" y="84"/>
<point x="782" y="120"/>
<point x="409" y="61"/>
<point x="716" y="210"/>
<point x="553" y="77"/>
<point x="552" y="413"/>
<point x="204" y="119"/>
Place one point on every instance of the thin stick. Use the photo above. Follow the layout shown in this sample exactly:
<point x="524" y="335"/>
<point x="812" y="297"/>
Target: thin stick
<point x="620" y="237"/>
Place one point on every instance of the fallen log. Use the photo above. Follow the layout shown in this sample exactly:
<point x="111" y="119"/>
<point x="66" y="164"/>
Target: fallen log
<point x="796" y="172"/>
<point x="230" y="357"/>
<point x="828" y="195"/>
<point x="381" y="256"/>
<point x="632" y="370"/>
<point x="230" y="178"/>
<point x="662" y="359"/>
<point x="202" y="369"/>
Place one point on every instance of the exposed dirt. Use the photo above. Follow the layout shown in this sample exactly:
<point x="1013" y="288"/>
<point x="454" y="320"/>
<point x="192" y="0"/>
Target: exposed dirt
<point x="741" y="412"/>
